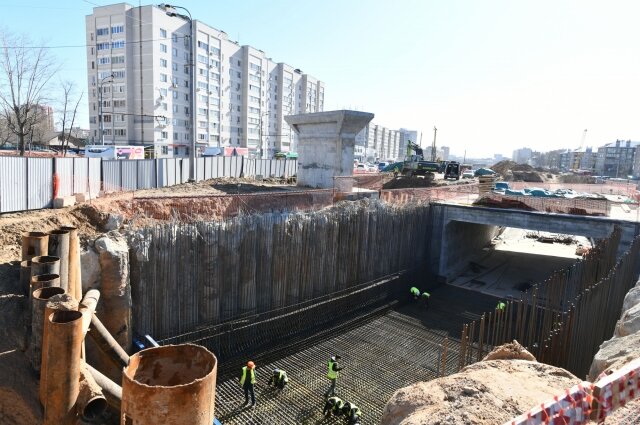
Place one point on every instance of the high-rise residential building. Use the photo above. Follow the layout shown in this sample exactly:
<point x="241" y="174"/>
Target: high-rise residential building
<point x="139" y="68"/>
<point x="521" y="156"/>
<point x="378" y="143"/>
<point x="617" y="159"/>
<point x="445" y="153"/>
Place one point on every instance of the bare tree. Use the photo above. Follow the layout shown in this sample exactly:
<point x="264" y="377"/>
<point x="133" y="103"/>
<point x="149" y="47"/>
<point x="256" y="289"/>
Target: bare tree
<point x="25" y="73"/>
<point x="68" y="115"/>
<point x="5" y="134"/>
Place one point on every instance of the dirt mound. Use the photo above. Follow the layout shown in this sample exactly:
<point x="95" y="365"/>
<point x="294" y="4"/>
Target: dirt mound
<point x="575" y="178"/>
<point x="488" y="392"/>
<point x="409" y="182"/>
<point x="510" y="351"/>
<point x="512" y="171"/>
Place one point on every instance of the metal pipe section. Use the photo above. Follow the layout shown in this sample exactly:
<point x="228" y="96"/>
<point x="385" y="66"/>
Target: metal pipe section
<point x="181" y="378"/>
<point x="34" y="244"/>
<point x="63" y="367"/>
<point x="25" y="277"/>
<point x="111" y="390"/>
<point x="45" y="264"/>
<point x="105" y="341"/>
<point x="59" y="246"/>
<point x="62" y="302"/>
<point x="39" y="300"/>
<point x="88" y="308"/>
<point x="91" y="402"/>
<point x="37" y="282"/>
<point x="75" y="274"/>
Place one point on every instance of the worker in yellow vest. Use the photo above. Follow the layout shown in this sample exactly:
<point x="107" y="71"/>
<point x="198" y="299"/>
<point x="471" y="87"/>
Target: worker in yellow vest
<point x="279" y="378"/>
<point x="332" y="374"/>
<point x="352" y="412"/>
<point x="247" y="381"/>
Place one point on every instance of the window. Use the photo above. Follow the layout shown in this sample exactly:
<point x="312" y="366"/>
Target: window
<point x="163" y="92"/>
<point x="163" y="78"/>
<point x="174" y="66"/>
<point x="121" y="132"/>
<point x="202" y="85"/>
<point x="164" y="106"/>
<point x="254" y="99"/>
<point x="214" y="50"/>
<point x="203" y="45"/>
<point x="163" y="33"/>
<point x="175" y="108"/>
<point x="119" y="118"/>
<point x="186" y="110"/>
<point x="187" y="41"/>
<point x="254" y="78"/>
<point x="214" y="138"/>
<point x="202" y="111"/>
<point x="202" y="136"/>
<point x="202" y="98"/>
<point x="117" y="44"/>
<point x="165" y="150"/>
<point x="102" y="31"/>
<point x="102" y="46"/>
<point x="203" y="72"/>
<point x="117" y="59"/>
<point x="254" y="66"/>
<point x="254" y="110"/>
<point x="117" y="29"/>
<point x="92" y="120"/>
<point x="106" y="118"/>
<point x="174" y="36"/>
<point x="118" y="74"/>
<point x="163" y="48"/>
<point x="186" y="83"/>
<point x="215" y="102"/>
<point x="163" y="63"/>
<point x="174" y="52"/>
<point x="104" y="74"/>
<point x="164" y="134"/>
<point x="175" y="94"/>
<point x="119" y="103"/>
<point x="203" y="59"/>
<point x="106" y="103"/>
<point x="186" y="69"/>
<point x="105" y="60"/>
<point x="186" y="97"/>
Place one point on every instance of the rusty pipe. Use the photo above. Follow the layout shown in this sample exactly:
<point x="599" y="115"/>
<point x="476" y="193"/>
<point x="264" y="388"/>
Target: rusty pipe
<point x="75" y="276"/>
<point x="107" y="344"/>
<point x="37" y="282"/>
<point x="111" y="390"/>
<point x="25" y="277"/>
<point x="63" y="367"/>
<point x="34" y="244"/>
<point x="61" y="302"/>
<point x="91" y="402"/>
<point x="88" y="308"/>
<point x="180" y="378"/>
<point x="45" y="264"/>
<point x="59" y="247"/>
<point x="39" y="300"/>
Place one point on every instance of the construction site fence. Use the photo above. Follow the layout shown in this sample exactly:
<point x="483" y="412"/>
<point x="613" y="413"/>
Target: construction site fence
<point x="185" y="276"/>
<point x="626" y="188"/>
<point x="28" y="183"/>
<point x="587" y="402"/>
<point x="564" y="320"/>
<point x="576" y="206"/>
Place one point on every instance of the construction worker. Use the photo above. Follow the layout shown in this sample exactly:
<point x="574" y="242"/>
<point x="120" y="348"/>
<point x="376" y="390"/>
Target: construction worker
<point x="396" y="170"/>
<point x="501" y="306"/>
<point x="425" y="298"/>
<point x="332" y="374"/>
<point x="279" y="378"/>
<point x="415" y="292"/>
<point x="352" y="412"/>
<point x="333" y="406"/>
<point x="247" y="383"/>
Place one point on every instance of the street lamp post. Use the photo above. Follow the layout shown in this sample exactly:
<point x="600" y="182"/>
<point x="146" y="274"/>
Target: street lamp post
<point x="262" y="147"/>
<point x="192" y="78"/>
<point x="100" y="118"/>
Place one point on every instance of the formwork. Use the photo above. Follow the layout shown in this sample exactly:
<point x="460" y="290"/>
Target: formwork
<point x="382" y="350"/>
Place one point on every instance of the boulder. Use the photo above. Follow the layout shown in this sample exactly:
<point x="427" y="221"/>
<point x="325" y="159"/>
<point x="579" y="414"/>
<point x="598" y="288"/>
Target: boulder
<point x="614" y="354"/>
<point x="90" y="269"/>
<point x="510" y="351"/>
<point x="487" y="392"/>
<point x="114" y="221"/>
<point x="632" y="298"/>
<point x="629" y="322"/>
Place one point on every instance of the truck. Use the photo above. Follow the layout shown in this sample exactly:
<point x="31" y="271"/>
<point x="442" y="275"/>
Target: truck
<point x="452" y="170"/>
<point x="415" y="165"/>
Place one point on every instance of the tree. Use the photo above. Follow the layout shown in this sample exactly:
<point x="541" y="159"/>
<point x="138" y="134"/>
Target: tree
<point x="25" y="74"/>
<point x="68" y="116"/>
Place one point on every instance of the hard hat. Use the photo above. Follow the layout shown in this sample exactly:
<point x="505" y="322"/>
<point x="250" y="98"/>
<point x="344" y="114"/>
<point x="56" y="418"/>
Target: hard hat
<point x="276" y="370"/>
<point x="333" y="358"/>
<point x="251" y="365"/>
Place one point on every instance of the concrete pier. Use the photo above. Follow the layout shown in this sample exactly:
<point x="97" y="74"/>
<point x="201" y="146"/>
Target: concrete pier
<point x="326" y="143"/>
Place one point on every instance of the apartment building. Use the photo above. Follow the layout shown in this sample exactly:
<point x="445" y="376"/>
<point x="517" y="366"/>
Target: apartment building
<point x="376" y="142"/>
<point x="139" y="68"/>
<point x="617" y="159"/>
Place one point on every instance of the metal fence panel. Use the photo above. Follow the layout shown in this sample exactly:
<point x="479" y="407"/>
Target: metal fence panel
<point x="171" y="171"/>
<point x="39" y="183"/>
<point x="146" y="169"/>
<point x="80" y="175"/>
<point x="208" y="164"/>
<point x="13" y="184"/>
<point x="249" y="167"/>
<point x="161" y="172"/>
<point x="261" y="167"/>
<point x="184" y="163"/>
<point x="292" y="167"/>
<point x="199" y="169"/>
<point x="218" y="167"/>
<point x="112" y="179"/>
<point x="64" y="169"/>
<point x="129" y="171"/>
<point x="226" y="167"/>
<point x="94" y="176"/>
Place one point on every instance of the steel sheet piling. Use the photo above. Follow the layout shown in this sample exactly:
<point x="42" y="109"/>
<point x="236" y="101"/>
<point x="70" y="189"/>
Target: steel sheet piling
<point x="59" y="247"/>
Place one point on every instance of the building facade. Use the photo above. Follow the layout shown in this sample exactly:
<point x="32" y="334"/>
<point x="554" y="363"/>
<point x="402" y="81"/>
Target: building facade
<point x="617" y="159"/>
<point x="140" y="66"/>
<point x="379" y="143"/>
<point x="522" y="156"/>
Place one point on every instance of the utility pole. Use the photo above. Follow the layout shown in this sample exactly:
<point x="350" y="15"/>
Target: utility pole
<point x="100" y="117"/>
<point x="433" y="146"/>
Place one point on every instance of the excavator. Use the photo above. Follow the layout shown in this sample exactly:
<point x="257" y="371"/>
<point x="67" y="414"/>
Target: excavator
<point x="415" y="165"/>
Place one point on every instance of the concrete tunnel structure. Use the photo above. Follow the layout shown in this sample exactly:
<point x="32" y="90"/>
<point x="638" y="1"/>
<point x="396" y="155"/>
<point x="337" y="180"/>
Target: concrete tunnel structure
<point x="463" y="230"/>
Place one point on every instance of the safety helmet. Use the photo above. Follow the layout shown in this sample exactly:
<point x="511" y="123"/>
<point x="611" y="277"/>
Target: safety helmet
<point x="251" y="365"/>
<point x="276" y="370"/>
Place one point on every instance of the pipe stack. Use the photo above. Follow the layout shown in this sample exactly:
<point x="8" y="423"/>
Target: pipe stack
<point x="40" y="298"/>
<point x="75" y="276"/>
<point x="34" y="244"/>
<point x="59" y="247"/>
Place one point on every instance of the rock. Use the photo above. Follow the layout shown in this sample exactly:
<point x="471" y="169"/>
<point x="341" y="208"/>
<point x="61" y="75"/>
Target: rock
<point x="510" y="351"/>
<point x="629" y="322"/>
<point x="614" y="354"/>
<point x="487" y="392"/>
<point x="90" y="269"/>
<point x="114" y="221"/>
<point x="632" y="298"/>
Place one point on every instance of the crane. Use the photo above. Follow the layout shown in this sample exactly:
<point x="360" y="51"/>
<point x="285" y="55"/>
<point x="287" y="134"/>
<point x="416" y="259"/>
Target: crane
<point x="584" y="136"/>
<point x="433" y="145"/>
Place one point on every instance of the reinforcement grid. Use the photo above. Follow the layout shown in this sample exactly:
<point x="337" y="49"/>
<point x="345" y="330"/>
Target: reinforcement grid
<point x="381" y="352"/>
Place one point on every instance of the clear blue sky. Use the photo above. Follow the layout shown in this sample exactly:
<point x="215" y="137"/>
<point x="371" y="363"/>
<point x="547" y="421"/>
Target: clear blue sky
<point x="491" y="75"/>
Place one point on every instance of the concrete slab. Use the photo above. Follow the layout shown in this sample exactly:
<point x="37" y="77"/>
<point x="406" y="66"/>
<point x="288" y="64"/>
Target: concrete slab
<point x="65" y="201"/>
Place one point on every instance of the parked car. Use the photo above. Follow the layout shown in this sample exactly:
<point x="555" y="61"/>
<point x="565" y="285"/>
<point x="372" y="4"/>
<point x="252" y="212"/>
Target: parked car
<point x="381" y="165"/>
<point x="467" y="174"/>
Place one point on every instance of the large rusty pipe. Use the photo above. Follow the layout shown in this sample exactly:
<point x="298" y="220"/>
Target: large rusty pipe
<point x="75" y="277"/>
<point x="63" y="367"/>
<point x="105" y="341"/>
<point x="34" y="244"/>
<point x="88" y="308"/>
<point x="25" y="276"/>
<point x="62" y="302"/>
<point x="45" y="264"/>
<point x="39" y="300"/>
<point x="37" y="282"/>
<point x="111" y="390"/>
<point x="91" y="402"/>
<point x="180" y="378"/>
<point x="59" y="247"/>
